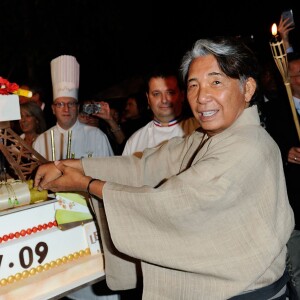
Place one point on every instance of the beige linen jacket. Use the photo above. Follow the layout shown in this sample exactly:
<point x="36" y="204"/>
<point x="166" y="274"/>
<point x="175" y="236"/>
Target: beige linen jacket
<point x="207" y="222"/>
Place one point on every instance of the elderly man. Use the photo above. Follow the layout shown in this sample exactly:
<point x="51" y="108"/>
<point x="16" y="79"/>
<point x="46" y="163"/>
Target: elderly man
<point x="208" y="215"/>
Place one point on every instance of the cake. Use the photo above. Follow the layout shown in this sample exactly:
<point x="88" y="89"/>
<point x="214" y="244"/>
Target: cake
<point x="21" y="158"/>
<point x="9" y="108"/>
<point x="38" y="237"/>
<point x="15" y="193"/>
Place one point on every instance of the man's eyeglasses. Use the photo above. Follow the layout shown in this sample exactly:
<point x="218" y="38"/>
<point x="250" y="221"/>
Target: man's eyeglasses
<point x="62" y="104"/>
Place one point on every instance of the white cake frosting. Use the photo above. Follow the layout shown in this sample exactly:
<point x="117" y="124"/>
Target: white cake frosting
<point x="32" y="242"/>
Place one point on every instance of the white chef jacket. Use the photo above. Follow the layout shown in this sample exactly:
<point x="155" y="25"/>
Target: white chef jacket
<point x="86" y="141"/>
<point x="152" y="135"/>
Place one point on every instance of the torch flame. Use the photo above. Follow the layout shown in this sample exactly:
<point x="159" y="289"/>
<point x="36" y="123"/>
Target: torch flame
<point x="274" y="29"/>
<point x="280" y="57"/>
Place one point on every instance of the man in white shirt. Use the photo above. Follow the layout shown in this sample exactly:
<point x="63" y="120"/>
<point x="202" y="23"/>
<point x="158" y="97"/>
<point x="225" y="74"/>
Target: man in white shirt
<point x="166" y="99"/>
<point x="82" y="140"/>
<point x="69" y="138"/>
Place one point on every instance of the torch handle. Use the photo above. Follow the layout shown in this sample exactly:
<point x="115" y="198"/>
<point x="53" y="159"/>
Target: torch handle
<point x="292" y="104"/>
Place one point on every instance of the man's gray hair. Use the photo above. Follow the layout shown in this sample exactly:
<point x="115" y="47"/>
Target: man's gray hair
<point x="234" y="58"/>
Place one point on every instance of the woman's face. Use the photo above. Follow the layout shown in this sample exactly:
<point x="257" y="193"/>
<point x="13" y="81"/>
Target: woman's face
<point x="28" y="123"/>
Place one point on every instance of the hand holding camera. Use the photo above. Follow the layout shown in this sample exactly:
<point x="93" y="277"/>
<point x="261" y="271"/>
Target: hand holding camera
<point x="287" y="17"/>
<point x="91" y="108"/>
<point x="286" y="24"/>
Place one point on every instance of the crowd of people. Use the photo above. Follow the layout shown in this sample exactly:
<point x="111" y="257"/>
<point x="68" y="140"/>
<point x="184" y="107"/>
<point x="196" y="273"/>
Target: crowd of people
<point x="279" y="121"/>
<point x="198" y="205"/>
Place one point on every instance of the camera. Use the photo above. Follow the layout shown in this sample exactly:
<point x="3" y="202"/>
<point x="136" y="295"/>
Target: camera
<point x="288" y="14"/>
<point x="91" y="108"/>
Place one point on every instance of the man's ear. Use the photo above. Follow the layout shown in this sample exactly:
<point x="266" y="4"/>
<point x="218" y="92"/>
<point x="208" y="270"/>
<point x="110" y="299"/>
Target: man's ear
<point x="53" y="110"/>
<point x="147" y="95"/>
<point x="250" y="89"/>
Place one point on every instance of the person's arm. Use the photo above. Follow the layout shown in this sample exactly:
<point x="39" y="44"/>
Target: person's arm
<point x="113" y="125"/>
<point x="284" y="27"/>
<point x="49" y="171"/>
<point x="95" y="187"/>
<point x="66" y="176"/>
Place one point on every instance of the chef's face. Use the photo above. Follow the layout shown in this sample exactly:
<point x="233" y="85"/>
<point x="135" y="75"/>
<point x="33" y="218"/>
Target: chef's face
<point x="66" y="111"/>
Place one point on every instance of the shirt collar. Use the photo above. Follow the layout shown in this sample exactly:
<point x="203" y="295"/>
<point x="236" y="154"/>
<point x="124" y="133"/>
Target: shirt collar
<point x="169" y="124"/>
<point x="71" y="128"/>
<point x="297" y="104"/>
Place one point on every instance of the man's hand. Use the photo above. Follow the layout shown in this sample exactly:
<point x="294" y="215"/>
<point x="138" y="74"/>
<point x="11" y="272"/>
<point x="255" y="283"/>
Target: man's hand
<point x="104" y="113"/>
<point x="45" y="173"/>
<point x="294" y="155"/>
<point x="71" y="179"/>
<point x="284" y="27"/>
<point x="51" y="171"/>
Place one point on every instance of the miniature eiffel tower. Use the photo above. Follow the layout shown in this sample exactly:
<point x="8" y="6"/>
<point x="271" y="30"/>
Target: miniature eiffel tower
<point x="23" y="159"/>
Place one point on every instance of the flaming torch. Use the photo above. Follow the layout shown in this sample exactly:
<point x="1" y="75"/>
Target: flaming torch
<point x="280" y="58"/>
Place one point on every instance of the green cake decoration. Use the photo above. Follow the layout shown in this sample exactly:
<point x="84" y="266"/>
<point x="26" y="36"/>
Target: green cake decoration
<point x="71" y="210"/>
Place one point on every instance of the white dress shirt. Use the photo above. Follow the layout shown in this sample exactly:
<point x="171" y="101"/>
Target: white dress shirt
<point x="297" y="104"/>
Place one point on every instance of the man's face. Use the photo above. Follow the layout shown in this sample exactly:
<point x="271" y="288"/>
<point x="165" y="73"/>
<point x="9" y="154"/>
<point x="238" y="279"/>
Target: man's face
<point x="66" y="111"/>
<point x="294" y="72"/>
<point x="131" y="110"/>
<point x="165" y="98"/>
<point x="215" y="99"/>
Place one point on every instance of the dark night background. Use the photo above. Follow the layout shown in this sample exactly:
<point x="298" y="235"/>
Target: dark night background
<point x="114" y="41"/>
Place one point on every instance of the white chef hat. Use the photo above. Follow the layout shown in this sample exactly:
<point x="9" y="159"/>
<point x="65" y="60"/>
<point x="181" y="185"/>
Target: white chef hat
<point x="65" y="76"/>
